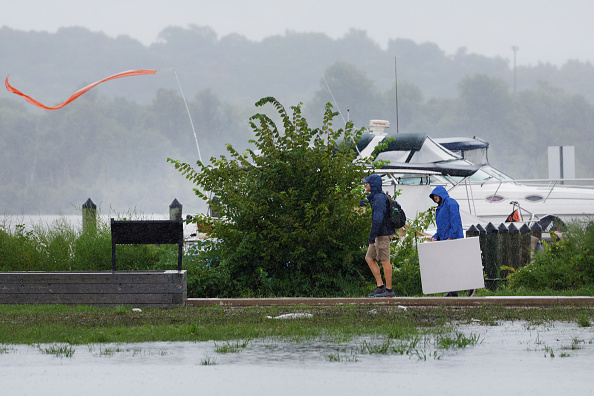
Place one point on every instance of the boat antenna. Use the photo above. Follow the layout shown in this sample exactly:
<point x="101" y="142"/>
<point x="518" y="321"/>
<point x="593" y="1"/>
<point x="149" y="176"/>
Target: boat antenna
<point x="187" y="110"/>
<point x="333" y="98"/>
<point x="396" y="78"/>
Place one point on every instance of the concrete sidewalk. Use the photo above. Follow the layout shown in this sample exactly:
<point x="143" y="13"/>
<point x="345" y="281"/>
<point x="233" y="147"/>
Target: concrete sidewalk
<point x="528" y="301"/>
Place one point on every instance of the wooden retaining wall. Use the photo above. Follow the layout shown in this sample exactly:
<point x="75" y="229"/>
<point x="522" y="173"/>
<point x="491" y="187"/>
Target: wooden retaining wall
<point x="106" y="288"/>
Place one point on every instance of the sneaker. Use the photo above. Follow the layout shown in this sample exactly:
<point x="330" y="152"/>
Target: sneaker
<point x="386" y="293"/>
<point x="451" y="294"/>
<point x="471" y="293"/>
<point x="378" y="290"/>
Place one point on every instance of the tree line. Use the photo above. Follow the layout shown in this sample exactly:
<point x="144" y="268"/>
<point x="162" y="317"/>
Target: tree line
<point x="113" y="142"/>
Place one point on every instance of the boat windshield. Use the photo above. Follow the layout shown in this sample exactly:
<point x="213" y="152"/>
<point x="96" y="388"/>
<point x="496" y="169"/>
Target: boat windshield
<point x="476" y="155"/>
<point x="414" y="179"/>
<point x="496" y="173"/>
<point x="485" y="173"/>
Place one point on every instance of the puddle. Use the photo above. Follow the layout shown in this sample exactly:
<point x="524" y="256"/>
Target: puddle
<point x="512" y="357"/>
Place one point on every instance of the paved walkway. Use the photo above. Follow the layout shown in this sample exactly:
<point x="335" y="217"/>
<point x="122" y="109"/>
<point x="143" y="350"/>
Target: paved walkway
<point x="528" y="301"/>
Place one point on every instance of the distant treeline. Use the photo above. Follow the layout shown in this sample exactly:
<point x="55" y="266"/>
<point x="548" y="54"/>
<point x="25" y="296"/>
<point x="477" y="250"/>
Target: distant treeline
<point x="112" y="143"/>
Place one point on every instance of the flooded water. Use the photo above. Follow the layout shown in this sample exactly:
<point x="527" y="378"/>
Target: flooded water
<point x="512" y="358"/>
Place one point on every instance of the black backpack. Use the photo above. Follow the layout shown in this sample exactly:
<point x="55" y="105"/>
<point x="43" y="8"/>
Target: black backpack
<point x="396" y="215"/>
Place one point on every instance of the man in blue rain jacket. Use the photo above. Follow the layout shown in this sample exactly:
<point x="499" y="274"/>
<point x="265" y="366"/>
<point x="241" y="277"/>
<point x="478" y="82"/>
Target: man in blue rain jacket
<point x="380" y="236"/>
<point x="447" y="216"/>
<point x="448" y="221"/>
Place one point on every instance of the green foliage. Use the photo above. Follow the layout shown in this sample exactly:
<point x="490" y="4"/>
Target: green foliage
<point x="288" y="224"/>
<point x="564" y="264"/>
<point x="61" y="246"/>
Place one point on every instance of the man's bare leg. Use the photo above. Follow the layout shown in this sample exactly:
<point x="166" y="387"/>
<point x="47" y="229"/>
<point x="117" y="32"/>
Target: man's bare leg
<point x="387" y="273"/>
<point x="375" y="270"/>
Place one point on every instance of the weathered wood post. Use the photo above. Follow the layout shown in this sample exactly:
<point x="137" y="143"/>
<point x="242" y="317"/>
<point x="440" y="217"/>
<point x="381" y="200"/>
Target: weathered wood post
<point x="514" y="254"/>
<point x="472" y="232"/>
<point x="175" y="210"/>
<point x="502" y="250"/>
<point x="482" y="243"/>
<point x="491" y="259"/>
<point x="89" y="217"/>
<point x="535" y="236"/>
<point x="525" y="242"/>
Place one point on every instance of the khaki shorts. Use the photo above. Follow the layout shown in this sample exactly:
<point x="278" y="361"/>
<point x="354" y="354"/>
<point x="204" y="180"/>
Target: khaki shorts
<point x="380" y="250"/>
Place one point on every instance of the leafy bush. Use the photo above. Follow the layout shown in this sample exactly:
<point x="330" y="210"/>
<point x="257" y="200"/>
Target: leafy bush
<point x="564" y="264"/>
<point x="288" y="224"/>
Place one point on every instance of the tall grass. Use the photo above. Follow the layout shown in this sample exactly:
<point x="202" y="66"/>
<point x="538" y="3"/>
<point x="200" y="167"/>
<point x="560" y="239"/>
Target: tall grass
<point x="63" y="246"/>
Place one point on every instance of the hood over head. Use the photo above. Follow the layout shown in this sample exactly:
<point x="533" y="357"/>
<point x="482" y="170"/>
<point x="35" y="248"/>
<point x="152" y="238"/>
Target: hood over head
<point x="375" y="182"/>
<point x="440" y="191"/>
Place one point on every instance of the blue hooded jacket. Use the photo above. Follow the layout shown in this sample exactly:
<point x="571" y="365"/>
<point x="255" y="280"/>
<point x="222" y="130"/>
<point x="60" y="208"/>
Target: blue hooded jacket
<point x="380" y="224"/>
<point x="447" y="216"/>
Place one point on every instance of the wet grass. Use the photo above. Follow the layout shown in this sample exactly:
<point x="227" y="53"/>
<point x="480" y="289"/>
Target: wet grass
<point x="208" y="361"/>
<point x="72" y="325"/>
<point x="231" y="347"/>
<point x="432" y="344"/>
<point x="60" y="351"/>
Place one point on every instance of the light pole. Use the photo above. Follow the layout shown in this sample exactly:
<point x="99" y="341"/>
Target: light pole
<point x="515" y="48"/>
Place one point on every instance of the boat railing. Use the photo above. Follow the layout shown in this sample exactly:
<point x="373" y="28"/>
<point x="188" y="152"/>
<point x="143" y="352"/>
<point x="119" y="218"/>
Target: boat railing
<point x="586" y="182"/>
<point x="581" y="182"/>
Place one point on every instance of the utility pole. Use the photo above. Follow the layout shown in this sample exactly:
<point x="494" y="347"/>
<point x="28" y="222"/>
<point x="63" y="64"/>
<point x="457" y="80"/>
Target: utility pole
<point x="515" y="48"/>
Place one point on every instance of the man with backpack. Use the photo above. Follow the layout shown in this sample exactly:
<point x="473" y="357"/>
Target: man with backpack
<point x="382" y="232"/>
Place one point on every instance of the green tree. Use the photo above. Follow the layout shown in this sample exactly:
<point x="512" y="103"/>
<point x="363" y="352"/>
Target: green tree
<point x="288" y="220"/>
<point x="349" y="88"/>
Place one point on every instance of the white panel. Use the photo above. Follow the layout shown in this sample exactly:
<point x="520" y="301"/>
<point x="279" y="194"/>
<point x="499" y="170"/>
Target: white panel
<point x="554" y="163"/>
<point x="451" y="265"/>
<point x="568" y="162"/>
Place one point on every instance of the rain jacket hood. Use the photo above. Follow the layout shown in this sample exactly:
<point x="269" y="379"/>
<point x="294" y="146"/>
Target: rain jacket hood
<point x="447" y="216"/>
<point x="441" y="192"/>
<point x="375" y="182"/>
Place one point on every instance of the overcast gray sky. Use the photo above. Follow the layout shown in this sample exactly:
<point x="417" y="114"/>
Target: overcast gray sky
<point x="551" y="31"/>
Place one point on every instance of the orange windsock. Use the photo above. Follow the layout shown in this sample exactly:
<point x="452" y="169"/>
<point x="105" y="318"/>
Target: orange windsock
<point x="78" y="93"/>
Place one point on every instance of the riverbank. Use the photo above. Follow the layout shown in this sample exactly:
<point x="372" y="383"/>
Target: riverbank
<point x="33" y="324"/>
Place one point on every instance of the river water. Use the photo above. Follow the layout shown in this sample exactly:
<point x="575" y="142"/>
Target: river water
<point x="513" y="358"/>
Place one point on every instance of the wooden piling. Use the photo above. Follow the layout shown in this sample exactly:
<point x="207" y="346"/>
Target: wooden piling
<point x="89" y="217"/>
<point x="525" y="243"/>
<point x="491" y="257"/>
<point x="514" y="253"/>
<point x="502" y="249"/>
<point x="175" y="210"/>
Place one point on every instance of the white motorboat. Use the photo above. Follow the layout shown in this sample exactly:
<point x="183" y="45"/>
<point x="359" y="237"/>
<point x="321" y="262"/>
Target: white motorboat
<point x="417" y="163"/>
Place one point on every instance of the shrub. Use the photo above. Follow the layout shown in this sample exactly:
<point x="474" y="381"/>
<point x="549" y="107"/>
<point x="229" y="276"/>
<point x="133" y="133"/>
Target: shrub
<point x="288" y="224"/>
<point x="563" y="264"/>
